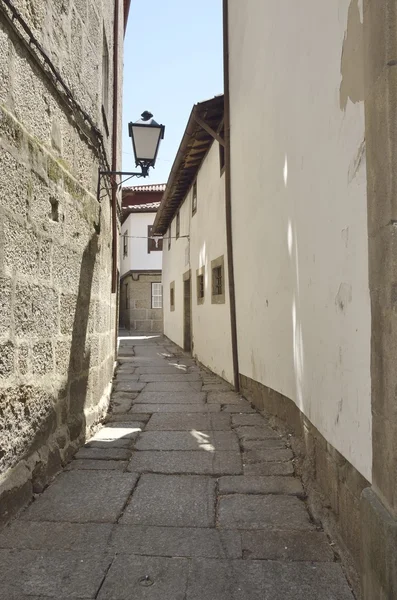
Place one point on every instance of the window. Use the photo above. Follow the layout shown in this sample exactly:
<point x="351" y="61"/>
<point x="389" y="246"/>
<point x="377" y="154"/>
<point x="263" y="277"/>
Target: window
<point x="125" y="244"/>
<point x="105" y="81"/>
<point x="127" y="300"/>
<point x="172" y="296"/>
<point x="157" y="295"/>
<point x="169" y="238"/>
<point x="152" y="244"/>
<point x="222" y="152"/>
<point x="178" y="224"/>
<point x="200" y="285"/>
<point x="194" y="198"/>
<point x="218" y="281"/>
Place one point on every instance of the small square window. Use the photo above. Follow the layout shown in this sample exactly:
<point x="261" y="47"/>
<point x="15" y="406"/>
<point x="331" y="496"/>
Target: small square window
<point x="172" y="296"/>
<point x="125" y="244"/>
<point x="194" y="198"/>
<point x="157" y="295"/>
<point x="200" y="285"/>
<point x="178" y="224"/>
<point x="218" y="281"/>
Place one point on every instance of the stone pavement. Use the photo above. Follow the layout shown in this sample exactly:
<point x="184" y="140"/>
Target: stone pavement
<point x="185" y="493"/>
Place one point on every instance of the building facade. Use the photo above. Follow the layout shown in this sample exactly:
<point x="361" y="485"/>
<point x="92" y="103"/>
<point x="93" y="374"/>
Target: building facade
<point x="307" y="222"/>
<point x="60" y="100"/>
<point x="141" y="298"/>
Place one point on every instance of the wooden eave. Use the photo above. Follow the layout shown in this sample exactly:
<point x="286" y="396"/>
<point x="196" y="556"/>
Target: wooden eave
<point x="192" y="150"/>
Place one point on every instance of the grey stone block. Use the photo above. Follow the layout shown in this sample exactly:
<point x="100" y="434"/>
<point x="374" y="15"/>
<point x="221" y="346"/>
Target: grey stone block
<point x="162" y="370"/>
<point x="249" y="420"/>
<point x="77" y="574"/>
<point x="174" y="408"/>
<point x="224" y="398"/>
<point x="195" y="463"/>
<point x="244" y="407"/>
<point x="80" y="537"/>
<point x="189" y="440"/>
<point x="256" y="433"/>
<point x="127" y="443"/>
<point x="124" y="376"/>
<point x="78" y="496"/>
<point x="216" y="387"/>
<point x="171" y="397"/>
<point x="263" y="444"/>
<point x="125" y="580"/>
<point x="268" y="455"/>
<point x="172" y="501"/>
<point x="266" y="580"/>
<point x="261" y="485"/>
<point x="128" y="386"/>
<point x="114" y="419"/>
<point x="176" y="541"/>
<point x="244" y="511"/>
<point x="97" y="465"/>
<point x="170" y="377"/>
<point x="286" y="545"/>
<point x="174" y="386"/>
<point x="118" y="431"/>
<point x="269" y="468"/>
<point x="189" y="421"/>
<point x="103" y="453"/>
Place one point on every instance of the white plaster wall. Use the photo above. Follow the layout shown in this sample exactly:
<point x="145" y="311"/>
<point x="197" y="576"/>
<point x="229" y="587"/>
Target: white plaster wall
<point x="138" y="258"/>
<point x="206" y="228"/>
<point x="299" y="211"/>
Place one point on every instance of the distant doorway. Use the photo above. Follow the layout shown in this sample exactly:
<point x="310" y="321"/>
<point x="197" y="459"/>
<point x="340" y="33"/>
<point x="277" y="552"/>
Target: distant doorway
<point x="187" y="312"/>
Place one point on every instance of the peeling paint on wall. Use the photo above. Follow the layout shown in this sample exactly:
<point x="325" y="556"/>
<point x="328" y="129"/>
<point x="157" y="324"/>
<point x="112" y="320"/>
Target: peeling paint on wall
<point x="352" y="63"/>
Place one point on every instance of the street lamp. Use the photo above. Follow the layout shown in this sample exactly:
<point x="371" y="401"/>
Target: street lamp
<point x="146" y="135"/>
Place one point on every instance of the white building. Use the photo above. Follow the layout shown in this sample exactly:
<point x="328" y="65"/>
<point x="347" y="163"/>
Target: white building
<point x="140" y="261"/>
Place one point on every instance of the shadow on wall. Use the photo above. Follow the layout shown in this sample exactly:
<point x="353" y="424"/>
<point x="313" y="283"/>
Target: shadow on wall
<point x="42" y="427"/>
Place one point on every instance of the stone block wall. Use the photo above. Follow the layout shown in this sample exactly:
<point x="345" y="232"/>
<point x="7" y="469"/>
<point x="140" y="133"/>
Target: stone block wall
<point x="136" y="312"/>
<point x="57" y="312"/>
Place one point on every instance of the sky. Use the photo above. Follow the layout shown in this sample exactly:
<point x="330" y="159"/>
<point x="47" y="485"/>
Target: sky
<point x="172" y="60"/>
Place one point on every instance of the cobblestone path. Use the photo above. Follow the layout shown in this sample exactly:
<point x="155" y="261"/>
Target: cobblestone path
<point x="185" y="493"/>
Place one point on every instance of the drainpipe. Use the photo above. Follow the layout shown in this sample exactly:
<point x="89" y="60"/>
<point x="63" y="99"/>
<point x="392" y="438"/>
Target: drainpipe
<point x="228" y="199"/>
<point x="114" y="161"/>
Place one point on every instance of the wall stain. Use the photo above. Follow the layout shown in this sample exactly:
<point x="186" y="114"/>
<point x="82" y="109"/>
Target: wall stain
<point x="344" y="296"/>
<point x="352" y="63"/>
<point x="358" y="160"/>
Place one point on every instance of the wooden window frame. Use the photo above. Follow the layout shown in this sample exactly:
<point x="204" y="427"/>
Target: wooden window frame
<point x="216" y="296"/>
<point x="200" y="276"/>
<point x="172" y="296"/>
<point x="194" y="198"/>
<point x="154" y="283"/>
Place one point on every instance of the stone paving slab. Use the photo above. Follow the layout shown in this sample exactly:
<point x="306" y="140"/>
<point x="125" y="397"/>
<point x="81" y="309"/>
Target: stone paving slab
<point x="165" y="370"/>
<point x="119" y="430"/>
<point x="238" y="408"/>
<point x="121" y="443"/>
<point x="290" y="486"/>
<point x="80" y="537"/>
<point x="168" y="579"/>
<point x="176" y="541"/>
<point x="245" y="511"/>
<point x="83" y="496"/>
<point x="171" y="397"/>
<point x="126" y="376"/>
<point x="97" y="465"/>
<point x="115" y="419"/>
<point x="266" y="580"/>
<point x="256" y="432"/>
<point x="128" y="386"/>
<point x="174" y="408"/>
<point x="103" y="453"/>
<point x="216" y="387"/>
<point x="224" y="398"/>
<point x="286" y="545"/>
<point x="74" y="574"/>
<point x="268" y="455"/>
<point x="189" y="440"/>
<point x="195" y="463"/>
<point x="262" y="444"/>
<point x="269" y="468"/>
<point x="172" y="501"/>
<point x="170" y="378"/>
<point x="174" y="386"/>
<point x="250" y="421"/>
<point x="183" y="422"/>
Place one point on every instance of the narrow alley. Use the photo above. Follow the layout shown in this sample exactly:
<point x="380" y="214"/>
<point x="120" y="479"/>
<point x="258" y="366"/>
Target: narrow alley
<point x="185" y="493"/>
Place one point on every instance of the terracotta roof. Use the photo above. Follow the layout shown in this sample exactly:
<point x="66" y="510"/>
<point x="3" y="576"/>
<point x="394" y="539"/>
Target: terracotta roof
<point x="160" y="187"/>
<point x="193" y="148"/>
